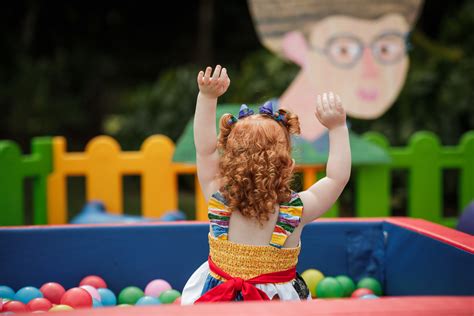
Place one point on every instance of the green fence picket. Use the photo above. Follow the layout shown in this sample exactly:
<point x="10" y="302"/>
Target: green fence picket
<point x="14" y="168"/>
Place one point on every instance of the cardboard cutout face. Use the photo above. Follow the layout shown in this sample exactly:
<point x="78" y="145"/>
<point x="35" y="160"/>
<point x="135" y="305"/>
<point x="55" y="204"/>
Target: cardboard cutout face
<point x="366" y="61"/>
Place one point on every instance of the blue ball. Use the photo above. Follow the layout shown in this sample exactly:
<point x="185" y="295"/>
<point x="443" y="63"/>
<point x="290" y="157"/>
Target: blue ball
<point x="6" y="292"/>
<point x="148" y="300"/>
<point x="108" y="297"/>
<point x="369" y="296"/>
<point x="96" y="303"/>
<point x="27" y="293"/>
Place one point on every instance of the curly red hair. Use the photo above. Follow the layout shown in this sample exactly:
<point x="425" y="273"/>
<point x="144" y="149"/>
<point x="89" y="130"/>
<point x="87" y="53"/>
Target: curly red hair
<point x="256" y="167"/>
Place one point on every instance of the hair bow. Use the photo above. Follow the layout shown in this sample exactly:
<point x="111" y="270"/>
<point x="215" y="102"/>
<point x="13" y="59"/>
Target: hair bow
<point x="267" y="109"/>
<point x="245" y="111"/>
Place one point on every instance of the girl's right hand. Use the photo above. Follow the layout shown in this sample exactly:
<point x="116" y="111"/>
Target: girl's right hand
<point x="213" y="86"/>
<point x="329" y="110"/>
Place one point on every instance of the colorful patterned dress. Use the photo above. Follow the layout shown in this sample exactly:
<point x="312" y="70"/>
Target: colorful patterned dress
<point x="249" y="261"/>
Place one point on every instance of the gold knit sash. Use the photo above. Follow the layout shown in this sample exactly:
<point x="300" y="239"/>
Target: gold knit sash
<point x="249" y="261"/>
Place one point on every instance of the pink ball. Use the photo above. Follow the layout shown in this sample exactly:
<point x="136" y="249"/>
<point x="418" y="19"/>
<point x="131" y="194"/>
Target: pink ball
<point x="53" y="292"/>
<point x="155" y="287"/>
<point x="93" y="280"/>
<point x="92" y="291"/>
<point x="39" y="304"/>
<point x="77" y="298"/>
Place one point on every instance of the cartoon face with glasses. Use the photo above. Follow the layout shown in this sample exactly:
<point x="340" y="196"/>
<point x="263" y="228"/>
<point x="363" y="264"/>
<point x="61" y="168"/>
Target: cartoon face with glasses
<point x="356" y="48"/>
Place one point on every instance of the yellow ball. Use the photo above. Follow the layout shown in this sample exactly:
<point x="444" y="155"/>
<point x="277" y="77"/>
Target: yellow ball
<point x="312" y="277"/>
<point x="61" y="308"/>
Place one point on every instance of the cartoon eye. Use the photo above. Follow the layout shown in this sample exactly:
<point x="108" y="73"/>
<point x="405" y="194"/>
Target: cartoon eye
<point x="389" y="48"/>
<point x="344" y="51"/>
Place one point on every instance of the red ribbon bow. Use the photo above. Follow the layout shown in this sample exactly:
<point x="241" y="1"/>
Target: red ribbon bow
<point x="228" y="290"/>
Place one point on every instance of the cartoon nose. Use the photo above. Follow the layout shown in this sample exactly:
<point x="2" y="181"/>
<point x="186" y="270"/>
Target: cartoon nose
<point x="369" y="68"/>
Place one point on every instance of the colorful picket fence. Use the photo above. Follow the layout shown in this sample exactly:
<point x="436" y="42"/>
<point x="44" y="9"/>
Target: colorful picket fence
<point x="104" y="165"/>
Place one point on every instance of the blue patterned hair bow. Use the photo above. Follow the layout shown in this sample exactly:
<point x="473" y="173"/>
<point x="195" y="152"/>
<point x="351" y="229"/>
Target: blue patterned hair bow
<point x="267" y="109"/>
<point x="245" y="111"/>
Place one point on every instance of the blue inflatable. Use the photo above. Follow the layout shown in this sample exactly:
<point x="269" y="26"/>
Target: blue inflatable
<point x="94" y="212"/>
<point x="466" y="221"/>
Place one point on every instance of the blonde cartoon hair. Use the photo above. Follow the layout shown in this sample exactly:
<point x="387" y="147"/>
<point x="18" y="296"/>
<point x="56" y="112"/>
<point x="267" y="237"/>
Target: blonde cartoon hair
<point x="274" y="18"/>
<point x="256" y="167"/>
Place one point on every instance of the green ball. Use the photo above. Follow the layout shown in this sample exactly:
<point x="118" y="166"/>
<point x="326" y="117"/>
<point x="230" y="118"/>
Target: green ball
<point x="370" y="283"/>
<point x="329" y="287"/>
<point x="130" y="295"/>
<point x="347" y="284"/>
<point x="169" y="296"/>
<point x="312" y="277"/>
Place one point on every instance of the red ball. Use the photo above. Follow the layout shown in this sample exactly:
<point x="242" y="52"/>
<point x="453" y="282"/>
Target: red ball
<point x="15" y="306"/>
<point x="77" y="298"/>
<point x="53" y="292"/>
<point x="95" y="281"/>
<point x="361" y="292"/>
<point x="177" y="301"/>
<point x="39" y="304"/>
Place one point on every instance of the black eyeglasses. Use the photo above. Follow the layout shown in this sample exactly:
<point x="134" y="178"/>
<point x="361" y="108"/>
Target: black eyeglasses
<point x="345" y="50"/>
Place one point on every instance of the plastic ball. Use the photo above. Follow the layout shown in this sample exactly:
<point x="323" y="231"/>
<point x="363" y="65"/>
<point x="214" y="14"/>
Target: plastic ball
<point x="347" y="284"/>
<point x="15" y="307"/>
<point x="93" y="280"/>
<point x="61" y="308"/>
<point x="39" y="304"/>
<point x="77" y="298"/>
<point x="130" y="295"/>
<point x="6" y="292"/>
<point x="370" y="283"/>
<point x="169" y="296"/>
<point x="53" y="292"/>
<point x="108" y="297"/>
<point x="312" y="277"/>
<point x="369" y="296"/>
<point x="329" y="287"/>
<point x="27" y="293"/>
<point x="96" y="303"/>
<point x="361" y="292"/>
<point x="124" y="305"/>
<point x="177" y="301"/>
<point x="92" y="291"/>
<point x="148" y="300"/>
<point x="155" y="287"/>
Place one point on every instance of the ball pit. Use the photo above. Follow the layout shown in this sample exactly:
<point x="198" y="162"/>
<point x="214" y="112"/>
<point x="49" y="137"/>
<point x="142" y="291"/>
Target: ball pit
<point x="53" y="297"/>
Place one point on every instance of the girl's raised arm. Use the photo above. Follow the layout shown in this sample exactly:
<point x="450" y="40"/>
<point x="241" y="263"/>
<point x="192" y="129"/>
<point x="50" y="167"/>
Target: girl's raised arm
<point x="322" y="195"/>
<point x="205" y="135"/>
